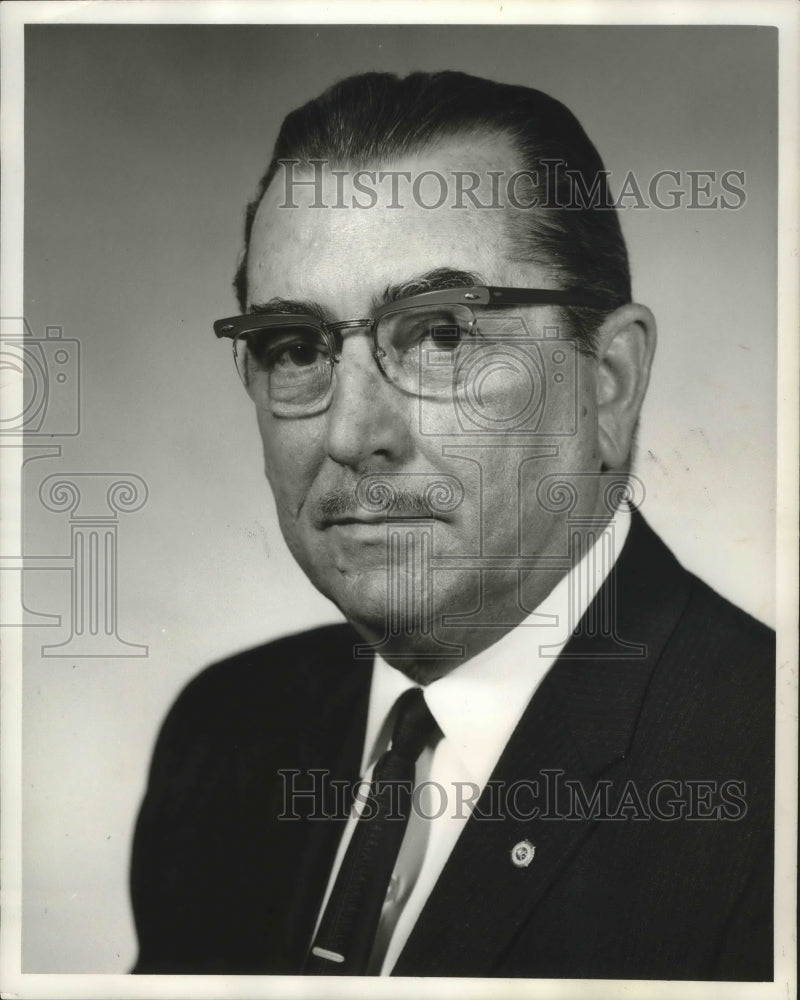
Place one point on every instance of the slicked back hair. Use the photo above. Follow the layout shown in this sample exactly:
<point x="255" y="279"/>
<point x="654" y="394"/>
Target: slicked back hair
<point x="373" y="118"/>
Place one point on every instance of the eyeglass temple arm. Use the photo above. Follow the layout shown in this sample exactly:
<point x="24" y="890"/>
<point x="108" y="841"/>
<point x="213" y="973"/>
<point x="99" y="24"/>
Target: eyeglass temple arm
<point x="540" y="297"/>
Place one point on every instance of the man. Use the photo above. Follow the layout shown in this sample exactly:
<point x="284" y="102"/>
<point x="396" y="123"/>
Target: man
<point x="564" y="738"/>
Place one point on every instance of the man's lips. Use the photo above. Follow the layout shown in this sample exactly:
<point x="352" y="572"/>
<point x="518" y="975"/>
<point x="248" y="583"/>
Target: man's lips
<point x="333" y="521"/>
<point x="374" y="521"/>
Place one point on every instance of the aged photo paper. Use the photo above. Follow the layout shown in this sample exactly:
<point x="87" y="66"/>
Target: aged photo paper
<point x="140" y="538"/>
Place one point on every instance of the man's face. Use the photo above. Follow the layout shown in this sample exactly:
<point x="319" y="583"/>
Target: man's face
<point x="344" y="260"/>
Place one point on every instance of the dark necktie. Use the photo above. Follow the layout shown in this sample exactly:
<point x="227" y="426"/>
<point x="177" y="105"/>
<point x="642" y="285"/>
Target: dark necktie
<point x="343" y="943"/>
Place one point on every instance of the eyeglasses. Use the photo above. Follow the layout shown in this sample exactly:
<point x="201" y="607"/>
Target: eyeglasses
<point x="286" y="361"/>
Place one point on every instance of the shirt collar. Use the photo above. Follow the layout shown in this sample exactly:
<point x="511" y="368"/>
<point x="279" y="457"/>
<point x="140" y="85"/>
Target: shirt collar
<point x="478" y="705"/>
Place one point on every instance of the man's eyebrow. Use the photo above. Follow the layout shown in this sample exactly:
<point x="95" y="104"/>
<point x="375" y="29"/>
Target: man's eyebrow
<point x="293" y="307"/>
<point x="431" y="281"/>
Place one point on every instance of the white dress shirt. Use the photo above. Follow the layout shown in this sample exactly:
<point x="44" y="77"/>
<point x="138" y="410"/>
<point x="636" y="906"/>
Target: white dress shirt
<point x="477" y="707"/>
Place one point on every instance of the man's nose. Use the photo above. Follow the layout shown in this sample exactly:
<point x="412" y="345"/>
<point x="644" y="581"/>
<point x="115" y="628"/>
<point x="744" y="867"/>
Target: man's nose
<point x="368" y="417"/>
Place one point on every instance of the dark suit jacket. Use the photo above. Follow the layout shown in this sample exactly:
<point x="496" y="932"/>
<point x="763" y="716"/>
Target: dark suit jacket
<point x="221" y="885"/>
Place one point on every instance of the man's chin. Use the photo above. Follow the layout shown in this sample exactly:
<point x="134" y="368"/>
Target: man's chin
<point x="363" y="598"/>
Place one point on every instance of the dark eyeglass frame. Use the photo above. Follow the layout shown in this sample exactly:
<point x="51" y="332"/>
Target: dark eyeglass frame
<point x="476" y="295"/>
<point x="238" y="327"/>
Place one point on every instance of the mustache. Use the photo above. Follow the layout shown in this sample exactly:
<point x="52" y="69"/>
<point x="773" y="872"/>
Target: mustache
<point x="345" y="502"/>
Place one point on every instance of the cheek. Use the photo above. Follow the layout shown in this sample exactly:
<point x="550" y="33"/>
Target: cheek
<point x="292" y="456"/>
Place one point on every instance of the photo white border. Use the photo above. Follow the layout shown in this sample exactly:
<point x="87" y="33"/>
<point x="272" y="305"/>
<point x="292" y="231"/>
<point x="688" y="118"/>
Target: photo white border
<point x="785" y="15"/>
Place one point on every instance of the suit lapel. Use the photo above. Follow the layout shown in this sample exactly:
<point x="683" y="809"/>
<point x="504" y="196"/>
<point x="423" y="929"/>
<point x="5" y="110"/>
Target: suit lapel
<point x="333" y="746"/>
<point x="580" y="723"/>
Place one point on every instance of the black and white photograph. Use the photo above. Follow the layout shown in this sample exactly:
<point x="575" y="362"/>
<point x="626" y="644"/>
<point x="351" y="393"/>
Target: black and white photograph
<point x="399" y="496"/>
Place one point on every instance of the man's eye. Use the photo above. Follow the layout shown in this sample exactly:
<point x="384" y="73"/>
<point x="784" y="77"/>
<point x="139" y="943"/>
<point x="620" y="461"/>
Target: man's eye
<point x="443" y="333"/>
<point x="288" y="350"/>
<point x="447" y="337"/>
<point x="300" y="354"/>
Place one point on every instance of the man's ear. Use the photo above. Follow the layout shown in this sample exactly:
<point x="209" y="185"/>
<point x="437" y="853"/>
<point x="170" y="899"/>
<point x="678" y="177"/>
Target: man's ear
<point x="626" y="342"/>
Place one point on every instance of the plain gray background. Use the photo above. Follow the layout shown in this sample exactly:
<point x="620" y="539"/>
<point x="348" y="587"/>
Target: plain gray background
<point x="142" y="146"/>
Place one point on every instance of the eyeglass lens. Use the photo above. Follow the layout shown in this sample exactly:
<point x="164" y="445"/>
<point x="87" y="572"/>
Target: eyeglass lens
<point x="421" y="349"/>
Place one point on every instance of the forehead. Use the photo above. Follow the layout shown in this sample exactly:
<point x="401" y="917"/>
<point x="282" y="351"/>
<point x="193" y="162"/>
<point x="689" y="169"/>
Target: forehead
<point x="329" y="250"/>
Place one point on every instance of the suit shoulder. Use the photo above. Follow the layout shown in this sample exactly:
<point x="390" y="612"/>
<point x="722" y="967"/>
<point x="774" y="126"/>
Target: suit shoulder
<point x="716" y="670"/>
<point x="651" y="567"/>
<point x="730" y="628"/>
<point x="725" y="661"/>
<point x="320" y="649"/>
<point x="269" y="682"/>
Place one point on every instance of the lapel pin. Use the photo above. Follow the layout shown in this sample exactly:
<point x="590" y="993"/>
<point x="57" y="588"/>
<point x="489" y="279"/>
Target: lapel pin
<point x="522" y="853"/>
